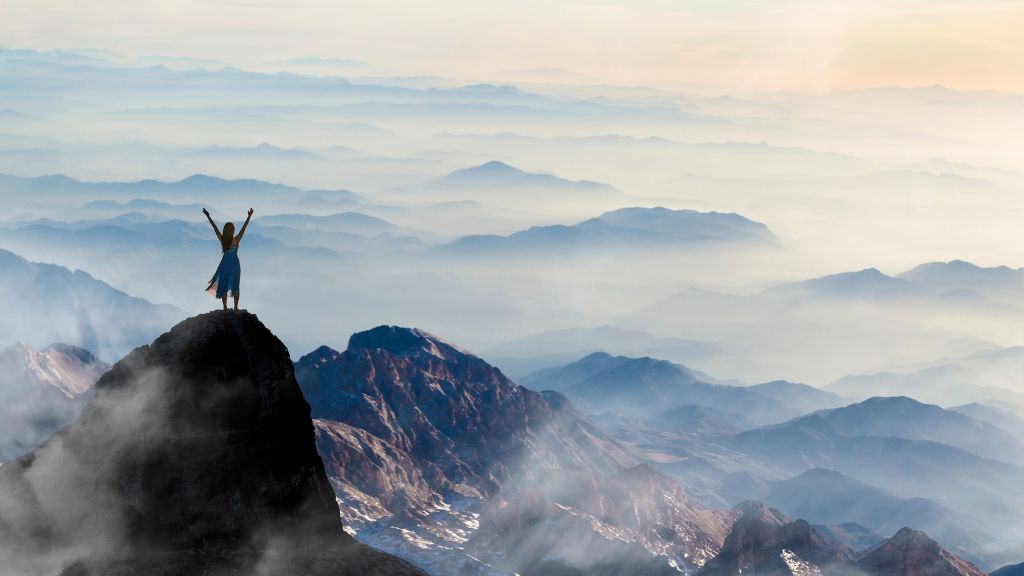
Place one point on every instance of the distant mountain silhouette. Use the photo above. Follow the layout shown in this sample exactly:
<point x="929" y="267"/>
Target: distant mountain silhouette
<point x="765" y="542"/>
<point x="43" y="303"/>
<point x="995" y="416"/>
<point x="621" y="229"/>
<point x="1011" y="570"/>
<point x="851" y="323"/>
<point x="905" y="468"/>
<point x="828" y="497"/>
<point x="500" y="185"/>
<point x="999" y="282"/>
<point x="904" y="417"/>
<point x="351" y="222"/>
<point x="867" y="283"/>
<point x="645" y="387"/>
<point x="993" y="375"/>
<point x="495" y="173"/>
<point x="529" y="354"/>
<point x="196" y="188"/>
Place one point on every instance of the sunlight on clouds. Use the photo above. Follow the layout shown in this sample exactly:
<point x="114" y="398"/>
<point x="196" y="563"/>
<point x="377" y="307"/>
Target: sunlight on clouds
<point x="704" y="47"/>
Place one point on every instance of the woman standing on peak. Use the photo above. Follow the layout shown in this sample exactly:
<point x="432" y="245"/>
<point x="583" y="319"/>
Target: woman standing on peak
<point x="225" y="280"/>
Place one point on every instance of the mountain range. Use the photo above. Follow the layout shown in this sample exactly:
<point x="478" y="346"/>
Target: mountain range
<point x="892" y="462"/>
<point x="828" y="497"/>
<point x="765" y="542"/>
<point x="622" y="229"/>
<point x="903" y="417"/>
<point x="437" y="457"/>
<point x="996" y="282"/>
<point x="40" y="192"/>
<point x="992" y="375"/>
<point x="906" y="468"/>
<point x="644" y="387"/>
<point x="524" y="356"/>
<point x="500" y="185"/>
<point x="496" y="174"/>
<point x="42" y="303"/>
<point x="851" y="323"/>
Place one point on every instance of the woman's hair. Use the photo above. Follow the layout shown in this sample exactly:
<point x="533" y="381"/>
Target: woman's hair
<point x="227" y="236"/>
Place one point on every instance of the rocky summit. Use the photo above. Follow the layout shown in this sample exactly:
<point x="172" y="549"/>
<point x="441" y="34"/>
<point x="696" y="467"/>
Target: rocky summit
<point x="912" y="553"/>
<point x="764" y="542"/>
<point x="437" y="457"/>
<point x="195" y="455"/>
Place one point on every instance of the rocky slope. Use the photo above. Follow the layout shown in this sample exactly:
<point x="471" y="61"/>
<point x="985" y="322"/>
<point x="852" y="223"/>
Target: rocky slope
<point x="436" y="456"/>
<point x="40" y="391"/>
<point x="829" y="497"/>
<point x="196" y="455"/>
<point x="43" y="303"/>
<point x="764" y="542"/>
<point x="913" y="553"/>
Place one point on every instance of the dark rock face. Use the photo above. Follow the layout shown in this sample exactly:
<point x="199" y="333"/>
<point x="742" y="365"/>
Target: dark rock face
<point x="195" y="455"/>
<point x="913" y="553"/>
<point x="436" y="456"/>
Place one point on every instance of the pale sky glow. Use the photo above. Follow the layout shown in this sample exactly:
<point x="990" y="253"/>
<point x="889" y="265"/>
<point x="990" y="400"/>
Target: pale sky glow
<point x="700" y="46"/>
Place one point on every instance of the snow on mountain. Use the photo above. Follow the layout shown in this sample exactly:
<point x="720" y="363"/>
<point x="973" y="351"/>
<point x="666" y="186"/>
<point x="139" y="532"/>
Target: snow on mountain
<point x="41" y="391"/>
<point x="436" y="456"/>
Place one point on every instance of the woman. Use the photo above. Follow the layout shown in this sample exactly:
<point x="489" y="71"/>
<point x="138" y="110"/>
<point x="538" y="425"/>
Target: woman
<point x="225" y="280"/>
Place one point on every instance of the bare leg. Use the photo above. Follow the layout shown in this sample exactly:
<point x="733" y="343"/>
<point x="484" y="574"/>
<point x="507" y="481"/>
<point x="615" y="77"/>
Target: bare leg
<point x="224" y="300"/>
<point x="236" y="300"/>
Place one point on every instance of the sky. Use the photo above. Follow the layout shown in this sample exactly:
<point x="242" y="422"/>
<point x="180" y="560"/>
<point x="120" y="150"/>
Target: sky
<point x="701" y="46"/>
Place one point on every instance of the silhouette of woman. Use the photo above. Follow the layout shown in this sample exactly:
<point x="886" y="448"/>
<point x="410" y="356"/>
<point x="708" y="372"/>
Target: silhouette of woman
<point x="225" y="280"/>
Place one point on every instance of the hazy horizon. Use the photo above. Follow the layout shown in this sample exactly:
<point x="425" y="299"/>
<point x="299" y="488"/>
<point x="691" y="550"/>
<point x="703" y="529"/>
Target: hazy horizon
<point x="734" y="47"/>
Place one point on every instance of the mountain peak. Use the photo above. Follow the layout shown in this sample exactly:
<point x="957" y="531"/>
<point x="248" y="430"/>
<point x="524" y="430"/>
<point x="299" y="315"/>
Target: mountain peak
<point x="402" y="341"/>
<point x="69" y="369"/>
<point x="197" y="450"/>
<point x="861" y="283"/>
<point x="914" y="552"/>
<point x="201" y="179"/>
<point x="758" y="511"/>
<point x="321" y="355"/>
<point x="496" y="166"/>
<point x="491" y="168"/>
<point x="81" y="354"/>
<point x="909" y="537"/>
<point x="763" y="541"/>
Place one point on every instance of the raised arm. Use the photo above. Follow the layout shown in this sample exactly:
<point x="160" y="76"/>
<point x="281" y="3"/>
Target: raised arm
<point x="215" y="229"/>
<point x="246" y="223"/>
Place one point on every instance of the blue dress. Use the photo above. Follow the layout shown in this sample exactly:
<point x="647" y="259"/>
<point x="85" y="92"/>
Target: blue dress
<point x="225" y="280"/>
